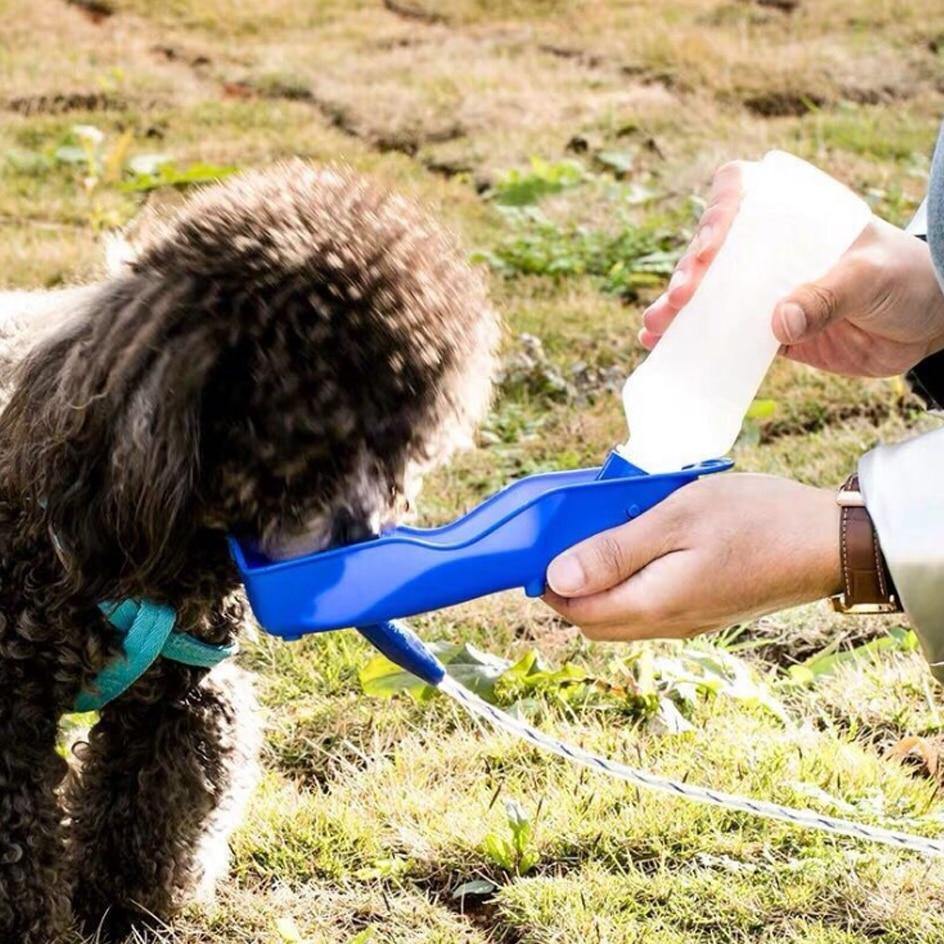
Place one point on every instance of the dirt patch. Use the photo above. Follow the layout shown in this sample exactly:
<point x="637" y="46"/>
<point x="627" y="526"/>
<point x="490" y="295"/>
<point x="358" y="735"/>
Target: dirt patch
<point x="58" y="103"/>
<point x="589" y="59"/>
<point x="784" y="6"/>
<point x="782" y="104"/>
<point x="879" y="95"/>
<point x="875" y="411"/>
<point x="409" y="140"/>
<point x="174" y="54"/>
<point x="95" y="10"/>
<point x="778" y="643"/>
<point x="409" y="12"/>
<point x="481" y="911"/>
<point x="448" y="167"/>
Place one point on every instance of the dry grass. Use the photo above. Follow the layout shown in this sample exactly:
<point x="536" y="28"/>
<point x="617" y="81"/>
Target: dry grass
<point x="372" y="813"/>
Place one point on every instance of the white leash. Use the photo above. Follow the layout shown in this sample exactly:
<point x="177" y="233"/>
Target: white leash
<point x="807" y="819"/>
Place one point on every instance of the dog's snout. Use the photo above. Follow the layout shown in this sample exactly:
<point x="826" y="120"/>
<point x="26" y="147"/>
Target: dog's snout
<point x="350" y="528"/>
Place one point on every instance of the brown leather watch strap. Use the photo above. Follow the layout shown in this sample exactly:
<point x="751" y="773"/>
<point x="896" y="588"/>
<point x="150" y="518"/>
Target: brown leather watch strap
<point x="867" y="582"/>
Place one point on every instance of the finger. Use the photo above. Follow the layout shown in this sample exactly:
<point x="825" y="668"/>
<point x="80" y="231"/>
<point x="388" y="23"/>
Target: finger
<point x="683" y="283"/>
<point x="713" y="228"/>
<point x="658" y="317"/>
<point x="646" y="606"/>
<point x="690" y="270"/>
<point x="808" y="310"/>
<point x="648" y="339"/>
<point x="709" y="236"/>
<point x="727" y="183"/>
<point x="609" y="558"/>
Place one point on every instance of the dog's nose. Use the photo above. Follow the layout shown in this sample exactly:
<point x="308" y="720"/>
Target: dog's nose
<point x="348" y="527"/>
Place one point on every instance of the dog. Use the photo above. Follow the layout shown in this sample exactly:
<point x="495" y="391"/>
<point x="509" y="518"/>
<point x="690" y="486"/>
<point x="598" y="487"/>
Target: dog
<point x="280" y="359"/>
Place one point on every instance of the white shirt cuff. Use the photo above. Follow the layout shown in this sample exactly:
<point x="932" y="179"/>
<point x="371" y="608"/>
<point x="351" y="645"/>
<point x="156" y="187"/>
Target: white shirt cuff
<point x="919" y="223"/>
<point x="903" y="488"/>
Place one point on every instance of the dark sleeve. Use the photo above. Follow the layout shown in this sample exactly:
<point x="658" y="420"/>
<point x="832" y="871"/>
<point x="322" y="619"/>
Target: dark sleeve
<point x="927" y="380"/>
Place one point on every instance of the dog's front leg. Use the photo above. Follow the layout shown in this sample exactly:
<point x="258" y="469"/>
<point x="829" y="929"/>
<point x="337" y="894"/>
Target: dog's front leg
<point x="34" y="898"/>
<point x="162" y="782"/>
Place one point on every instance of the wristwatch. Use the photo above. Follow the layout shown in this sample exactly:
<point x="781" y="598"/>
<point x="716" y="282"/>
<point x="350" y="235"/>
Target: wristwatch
<point x="867" y="583"/>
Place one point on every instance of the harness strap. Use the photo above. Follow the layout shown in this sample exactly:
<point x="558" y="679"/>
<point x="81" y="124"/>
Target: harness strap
<point x="148" y="631"/>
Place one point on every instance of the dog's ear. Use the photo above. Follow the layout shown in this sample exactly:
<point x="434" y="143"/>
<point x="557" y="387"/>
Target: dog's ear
<point x="101" y="436"/>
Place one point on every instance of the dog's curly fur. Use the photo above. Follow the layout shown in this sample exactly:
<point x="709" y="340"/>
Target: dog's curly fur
<point x="277" y="360"/>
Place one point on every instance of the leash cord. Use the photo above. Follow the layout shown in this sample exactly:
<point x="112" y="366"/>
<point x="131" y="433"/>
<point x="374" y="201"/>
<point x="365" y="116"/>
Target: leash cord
<point x="807" y="819"/>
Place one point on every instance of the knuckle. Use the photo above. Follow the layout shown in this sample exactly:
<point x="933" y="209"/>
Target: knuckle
<point x="822" y="301"/>
<point x="866" y="265"/>
<point x="610" y="558"/>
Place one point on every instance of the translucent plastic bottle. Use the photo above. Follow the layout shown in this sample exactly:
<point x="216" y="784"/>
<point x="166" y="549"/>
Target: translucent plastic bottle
<point x="687" y="400"/>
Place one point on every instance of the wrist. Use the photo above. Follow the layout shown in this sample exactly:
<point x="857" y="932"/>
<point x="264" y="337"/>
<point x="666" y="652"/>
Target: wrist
<point x="828" y="568"/>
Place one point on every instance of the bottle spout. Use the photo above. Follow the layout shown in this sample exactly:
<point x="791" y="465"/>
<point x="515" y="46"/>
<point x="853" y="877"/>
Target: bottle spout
<point x="617" y="466"/>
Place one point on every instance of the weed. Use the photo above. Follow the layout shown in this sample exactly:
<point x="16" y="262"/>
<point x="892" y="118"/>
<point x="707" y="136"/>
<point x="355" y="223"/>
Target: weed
<point x="520" y="188"/>
<point x="513" y="853"/>
<point x="102" y="161"/>
<point x="623" y="260"/>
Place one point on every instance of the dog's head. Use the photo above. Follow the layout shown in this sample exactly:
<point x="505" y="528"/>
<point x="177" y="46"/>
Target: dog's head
<point x="279" y="359"/>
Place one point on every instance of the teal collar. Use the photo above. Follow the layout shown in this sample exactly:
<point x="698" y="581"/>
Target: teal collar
<point x="148" y="631"/>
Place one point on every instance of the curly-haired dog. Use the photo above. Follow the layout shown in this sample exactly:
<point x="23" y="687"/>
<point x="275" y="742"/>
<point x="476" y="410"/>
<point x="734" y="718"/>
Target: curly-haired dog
<point x="278" y="360"/>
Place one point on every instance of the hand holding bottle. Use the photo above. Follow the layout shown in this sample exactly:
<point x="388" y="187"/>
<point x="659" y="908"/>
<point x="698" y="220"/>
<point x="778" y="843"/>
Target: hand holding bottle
<point x="876" y="313"/>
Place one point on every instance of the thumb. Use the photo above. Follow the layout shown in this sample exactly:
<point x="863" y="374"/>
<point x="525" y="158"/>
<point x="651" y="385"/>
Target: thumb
<point x="609" y="558"/>
<point x="811" y="308"/>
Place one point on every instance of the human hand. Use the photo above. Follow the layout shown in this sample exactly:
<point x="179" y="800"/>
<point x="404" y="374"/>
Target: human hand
<point x="877" y="312"/>
<point x="721" y="550"/>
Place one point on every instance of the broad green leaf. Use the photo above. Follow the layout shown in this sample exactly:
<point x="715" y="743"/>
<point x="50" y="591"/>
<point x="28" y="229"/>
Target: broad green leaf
<point x="897" y="639"/>
<point x="475" y="888"/>
<point x="147" y="163"/>
<point x="668" y="719"/>
<point x="619" y="161"/>
<point x="527" y="862"/>
<point x="382" y="678"/>
<point x="499" y="851"/>
<point x="520" y="188"/>
<point x="761" y="409"/>
<point x="70" y="154"/>
<point x="473" y="668"/>
<point x="168" y="175"/>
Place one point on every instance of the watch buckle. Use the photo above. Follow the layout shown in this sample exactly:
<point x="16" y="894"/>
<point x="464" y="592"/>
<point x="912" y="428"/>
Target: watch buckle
<point x="864" y="609"/>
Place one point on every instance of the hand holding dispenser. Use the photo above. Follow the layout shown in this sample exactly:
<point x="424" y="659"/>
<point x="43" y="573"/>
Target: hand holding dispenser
<point x="687" y="400"/>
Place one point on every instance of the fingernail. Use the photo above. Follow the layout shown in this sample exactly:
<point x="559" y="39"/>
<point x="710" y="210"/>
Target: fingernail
<point x="793" y="318"/>
<point x="565" y="575"/>
<point x="703" y="239"/>
<point x="661" y="300"/>
<point x="679" y="278"/>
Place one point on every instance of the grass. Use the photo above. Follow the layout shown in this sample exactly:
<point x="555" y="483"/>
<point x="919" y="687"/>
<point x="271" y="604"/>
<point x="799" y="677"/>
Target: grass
<point x="564" y="142"/>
